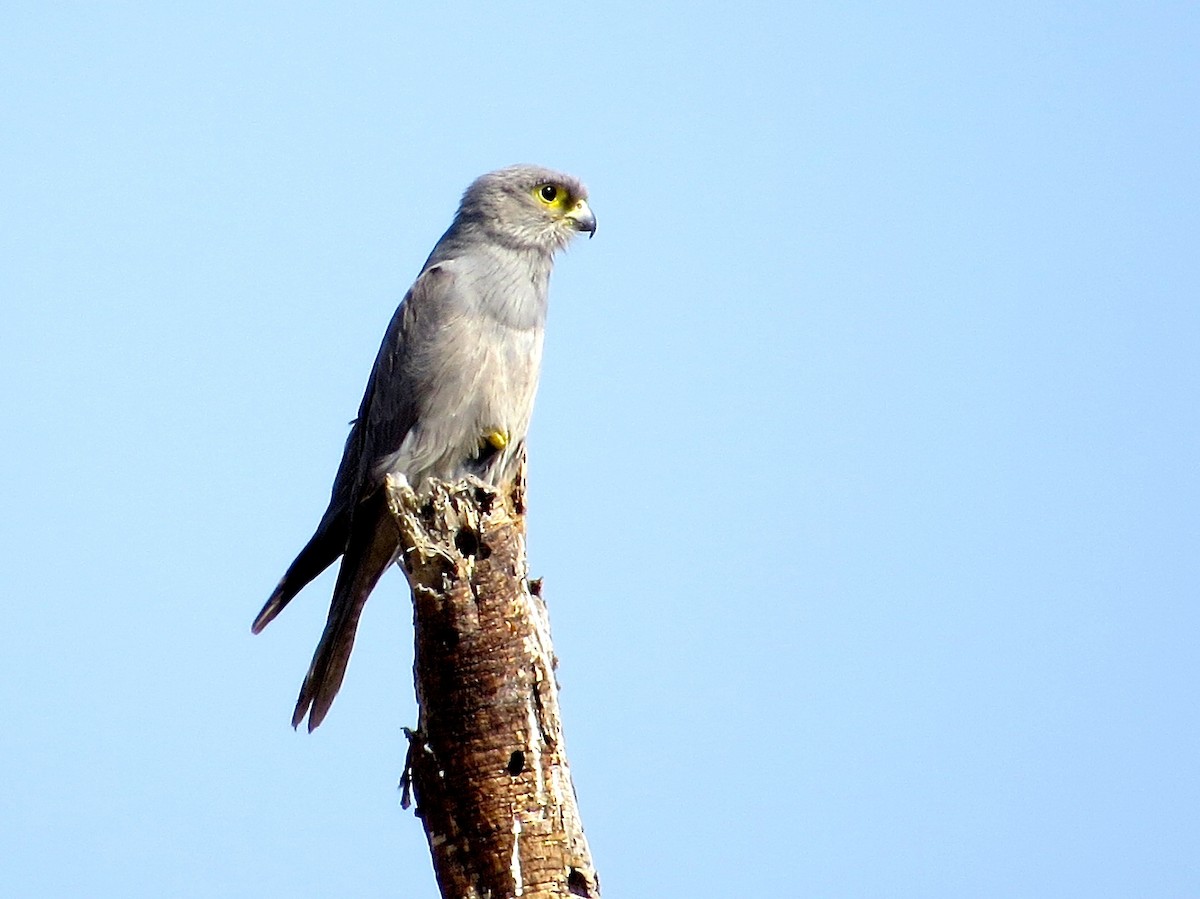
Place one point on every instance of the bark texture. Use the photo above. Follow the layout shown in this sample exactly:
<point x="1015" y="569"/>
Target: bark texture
<point x="487" y="765"/>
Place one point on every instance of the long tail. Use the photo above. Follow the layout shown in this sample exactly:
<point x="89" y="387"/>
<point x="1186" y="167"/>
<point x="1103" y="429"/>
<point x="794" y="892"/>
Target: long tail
<point x="373" y="546"/>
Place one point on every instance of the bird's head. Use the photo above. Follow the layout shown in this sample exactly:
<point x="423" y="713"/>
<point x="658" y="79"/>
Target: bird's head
<point x="528" y="207"/>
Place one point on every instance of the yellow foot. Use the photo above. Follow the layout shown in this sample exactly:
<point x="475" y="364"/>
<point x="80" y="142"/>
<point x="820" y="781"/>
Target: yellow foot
<point x="496" y="439"/>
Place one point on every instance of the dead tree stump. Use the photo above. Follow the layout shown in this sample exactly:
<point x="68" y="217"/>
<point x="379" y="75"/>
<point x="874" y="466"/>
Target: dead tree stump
<point x="487" y="765"/>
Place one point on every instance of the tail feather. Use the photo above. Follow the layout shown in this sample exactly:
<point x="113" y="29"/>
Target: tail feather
<point x="373" y="546"/>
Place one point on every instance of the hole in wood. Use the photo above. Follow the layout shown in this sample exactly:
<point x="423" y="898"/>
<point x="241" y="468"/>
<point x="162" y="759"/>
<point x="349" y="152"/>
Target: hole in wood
<point x="577" y="883"/>
<point x="466" y="541"/>
<point x="485" y="499"/>
<point x="516" y="763"/>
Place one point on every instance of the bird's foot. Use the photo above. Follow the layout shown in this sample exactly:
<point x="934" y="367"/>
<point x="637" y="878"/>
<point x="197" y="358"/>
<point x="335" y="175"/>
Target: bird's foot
<point x="496" y="439"/>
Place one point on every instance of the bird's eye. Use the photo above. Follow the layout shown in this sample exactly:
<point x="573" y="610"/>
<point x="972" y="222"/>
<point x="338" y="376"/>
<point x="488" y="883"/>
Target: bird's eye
<point x="548" y="193"/>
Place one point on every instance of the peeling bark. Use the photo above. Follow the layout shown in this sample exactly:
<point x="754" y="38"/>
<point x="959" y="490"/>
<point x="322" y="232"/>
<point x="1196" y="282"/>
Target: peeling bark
<point x="487" y="765"/>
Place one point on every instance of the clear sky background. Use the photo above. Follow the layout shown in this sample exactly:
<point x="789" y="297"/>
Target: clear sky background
<point x="864" y="472"/>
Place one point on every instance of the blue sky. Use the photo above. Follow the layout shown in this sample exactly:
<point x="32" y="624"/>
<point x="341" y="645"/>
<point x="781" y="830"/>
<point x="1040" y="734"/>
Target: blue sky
<point x="864" y="470"/>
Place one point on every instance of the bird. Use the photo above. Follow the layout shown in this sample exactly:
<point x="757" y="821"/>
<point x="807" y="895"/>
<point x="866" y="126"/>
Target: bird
<point x="450" y="394"/>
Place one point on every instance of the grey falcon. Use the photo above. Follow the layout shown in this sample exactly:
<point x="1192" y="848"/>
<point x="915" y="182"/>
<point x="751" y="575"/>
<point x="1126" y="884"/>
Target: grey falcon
<point x="450" y="394"/>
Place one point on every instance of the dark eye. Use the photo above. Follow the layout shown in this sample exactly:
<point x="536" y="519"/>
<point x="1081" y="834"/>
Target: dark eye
<point x="548" y="192"/>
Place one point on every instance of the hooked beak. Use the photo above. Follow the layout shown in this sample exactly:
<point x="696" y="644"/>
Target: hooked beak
<point x="583" y="219"/>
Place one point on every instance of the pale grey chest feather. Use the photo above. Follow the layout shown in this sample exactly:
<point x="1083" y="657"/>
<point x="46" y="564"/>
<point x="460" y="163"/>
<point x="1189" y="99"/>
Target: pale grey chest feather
<point x="474" y="370"/>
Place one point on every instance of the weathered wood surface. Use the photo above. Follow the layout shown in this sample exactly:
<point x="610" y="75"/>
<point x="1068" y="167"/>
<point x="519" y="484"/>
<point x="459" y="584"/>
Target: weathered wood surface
<point x="487" y="765"/>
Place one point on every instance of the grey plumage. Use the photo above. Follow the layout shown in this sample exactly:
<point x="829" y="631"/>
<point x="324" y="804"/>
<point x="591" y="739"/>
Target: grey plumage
<point x="450" y="394"/>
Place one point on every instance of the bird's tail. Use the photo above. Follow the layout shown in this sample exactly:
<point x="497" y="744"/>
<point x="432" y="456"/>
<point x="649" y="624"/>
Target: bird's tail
<point x="373" y="546"/>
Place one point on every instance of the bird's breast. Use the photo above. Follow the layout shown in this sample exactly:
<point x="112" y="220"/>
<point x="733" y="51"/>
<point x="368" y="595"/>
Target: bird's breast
<point x="481" y="377"/>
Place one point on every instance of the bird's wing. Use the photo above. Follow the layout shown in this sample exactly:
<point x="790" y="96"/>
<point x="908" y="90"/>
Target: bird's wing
<point x="358" y="517"/>
<point x="385" y="416"/>
<point x="401" y="377"/>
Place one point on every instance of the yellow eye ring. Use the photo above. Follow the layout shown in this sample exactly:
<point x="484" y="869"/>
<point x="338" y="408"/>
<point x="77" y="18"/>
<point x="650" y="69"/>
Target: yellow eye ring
<point x="547" y="193"/>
